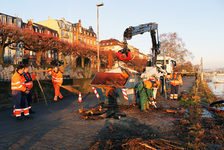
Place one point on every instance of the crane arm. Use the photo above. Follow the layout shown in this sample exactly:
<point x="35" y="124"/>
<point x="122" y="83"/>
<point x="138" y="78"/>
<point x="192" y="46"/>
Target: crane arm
<point x="140" y="29"/>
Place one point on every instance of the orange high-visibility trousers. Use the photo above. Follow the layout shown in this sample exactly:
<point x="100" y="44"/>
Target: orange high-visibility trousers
<point x="56" y="90"/>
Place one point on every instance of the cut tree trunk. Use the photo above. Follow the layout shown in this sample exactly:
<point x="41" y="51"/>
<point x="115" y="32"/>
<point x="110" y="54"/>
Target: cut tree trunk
<point x="38" y="55"/>
<point x="1" y="54"/>
<point x="82" y="61"/>
<point x="64" y="60"/>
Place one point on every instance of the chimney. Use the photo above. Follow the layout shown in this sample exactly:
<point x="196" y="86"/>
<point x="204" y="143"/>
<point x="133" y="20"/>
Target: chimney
<point x="79" y="22"/>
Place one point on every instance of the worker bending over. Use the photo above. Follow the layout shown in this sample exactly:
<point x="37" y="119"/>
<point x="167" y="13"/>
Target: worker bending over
<point x="145" y="90"/>
<point x="175" y="81"/>
<point x="57" y="80"/>
<point x="28" y="82"/>
<point x="18" y="88"/>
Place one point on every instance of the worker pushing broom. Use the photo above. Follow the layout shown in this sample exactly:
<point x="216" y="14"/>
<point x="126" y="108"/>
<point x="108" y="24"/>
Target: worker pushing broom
<point x="57" y="80"/>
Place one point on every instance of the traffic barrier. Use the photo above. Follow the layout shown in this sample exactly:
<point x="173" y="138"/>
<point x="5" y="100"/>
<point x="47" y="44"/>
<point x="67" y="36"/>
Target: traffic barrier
<point x="95" y="91"/>
<point x="125" y="94"/>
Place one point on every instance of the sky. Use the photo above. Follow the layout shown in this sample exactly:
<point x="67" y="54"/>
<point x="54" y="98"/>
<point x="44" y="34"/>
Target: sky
<point x="200" y="23"/>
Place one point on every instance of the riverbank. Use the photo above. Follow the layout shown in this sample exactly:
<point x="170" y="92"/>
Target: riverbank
<point x="200" y="130"/>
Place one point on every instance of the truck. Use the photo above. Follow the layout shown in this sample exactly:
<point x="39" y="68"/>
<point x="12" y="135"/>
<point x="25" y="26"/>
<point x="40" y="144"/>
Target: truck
<point x="118" y="86"/>
<point x="166" y="63"/>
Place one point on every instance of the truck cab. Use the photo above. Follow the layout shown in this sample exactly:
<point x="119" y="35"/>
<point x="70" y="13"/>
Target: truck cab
<point x="166" y="63"/>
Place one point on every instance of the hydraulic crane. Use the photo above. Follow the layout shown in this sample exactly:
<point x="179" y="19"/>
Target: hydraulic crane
<point x="140" y="29"/>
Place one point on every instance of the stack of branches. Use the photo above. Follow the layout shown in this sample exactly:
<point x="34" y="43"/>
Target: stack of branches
<point x="100" y="112"/>
<point x="152" y="144"/>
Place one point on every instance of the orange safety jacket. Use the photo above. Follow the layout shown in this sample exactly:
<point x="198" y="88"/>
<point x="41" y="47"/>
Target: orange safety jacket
<point x="57" y="78"/>
<point x="17" y="83"/>
<point x="28" y="80"/>
<point x="149" y="84"/>
<point x="176" y="79"/>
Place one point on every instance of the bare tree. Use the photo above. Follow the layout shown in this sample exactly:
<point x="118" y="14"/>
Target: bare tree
<point x="173" y="46"/>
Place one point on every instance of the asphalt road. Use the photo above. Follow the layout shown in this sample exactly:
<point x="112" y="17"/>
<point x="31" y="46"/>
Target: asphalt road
<point x="59" y="125"/>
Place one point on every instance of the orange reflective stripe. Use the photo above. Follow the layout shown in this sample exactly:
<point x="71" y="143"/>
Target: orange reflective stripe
<point x="18" y="112"/>
<point x="26" y="111"/>
<point x="16" y="82"/>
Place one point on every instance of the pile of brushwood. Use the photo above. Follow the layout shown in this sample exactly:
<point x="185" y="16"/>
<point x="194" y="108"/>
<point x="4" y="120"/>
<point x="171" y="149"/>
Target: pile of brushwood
<point x="200" y="132"/>
<point x="101" y="112"/>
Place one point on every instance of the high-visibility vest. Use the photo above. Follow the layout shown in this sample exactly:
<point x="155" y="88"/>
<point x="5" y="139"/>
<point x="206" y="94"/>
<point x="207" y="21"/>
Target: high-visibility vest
<point x="155" y="83"/>
<point x="148" y="84"/>
<point x="57" y="77"/>
<point x="17" y="82"/>
<point x="176" y="79"/>
<point x="28" y="80"/>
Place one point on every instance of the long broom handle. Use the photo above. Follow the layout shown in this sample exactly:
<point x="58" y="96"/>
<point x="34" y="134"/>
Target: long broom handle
<point x="164" y="86"/>
<point x="42" y="90"/>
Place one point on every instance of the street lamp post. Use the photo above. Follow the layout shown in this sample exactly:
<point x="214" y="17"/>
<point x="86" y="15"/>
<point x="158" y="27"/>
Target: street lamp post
<point x="98" y="44"/>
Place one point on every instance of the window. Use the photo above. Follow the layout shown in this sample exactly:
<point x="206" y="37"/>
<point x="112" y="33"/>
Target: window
<point x="40" y="30"/>
<point x="4" y="19"/>
<point x="48" y="32"/>
<point x="36" y="30"/>
<point x="30" y="28"/>
<point x="90" y="41"/>
<point x="18" y="23"/>
<point x="84" y="40"/>
<point x="56" y="55"/>
<point x="74" y="37"/>
<point x="32" y="53"/>
<point x="9" y="20"/>
<point x="80" y="30"/>
<point x="49" y="54"/>
<point x="87" y="41"/>
<point x="62" y="33"/>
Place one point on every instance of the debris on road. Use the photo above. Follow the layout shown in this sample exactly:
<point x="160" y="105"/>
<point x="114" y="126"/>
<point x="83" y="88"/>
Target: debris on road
<point x="152" y="144"/>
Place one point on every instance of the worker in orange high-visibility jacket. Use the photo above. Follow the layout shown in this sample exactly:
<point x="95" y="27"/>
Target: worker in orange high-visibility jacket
<point x="57" y="80"/>
<point x="28" y="82"/>
<point x="18" y="87"/>
<point x="175" y="81"/>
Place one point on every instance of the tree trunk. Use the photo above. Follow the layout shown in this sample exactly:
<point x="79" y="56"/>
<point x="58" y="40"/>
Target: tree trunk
<point x="82" y="61"/>
<point x="64" y="60"/>
<point x="38" y="57"/>
<point x="1" y="54"/>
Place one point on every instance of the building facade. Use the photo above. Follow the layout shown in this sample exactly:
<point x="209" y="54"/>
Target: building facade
<point x="71" y="32"/>
<point x="115" y="45"/>
<point x="12" y="53"/>
<point x="49" y="55"/>
<point x="111" y="44"/>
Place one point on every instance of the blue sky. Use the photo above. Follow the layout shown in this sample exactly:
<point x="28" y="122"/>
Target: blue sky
<point x="200" y="23"/>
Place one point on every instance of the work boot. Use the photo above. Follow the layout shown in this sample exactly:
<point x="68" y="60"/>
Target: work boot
<point x="31" y="111"/>
<point x="60" y="96"/>
<point x="19" y="118"/>
<point x="28" y="118"/>
<point x="55" y="99"/>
